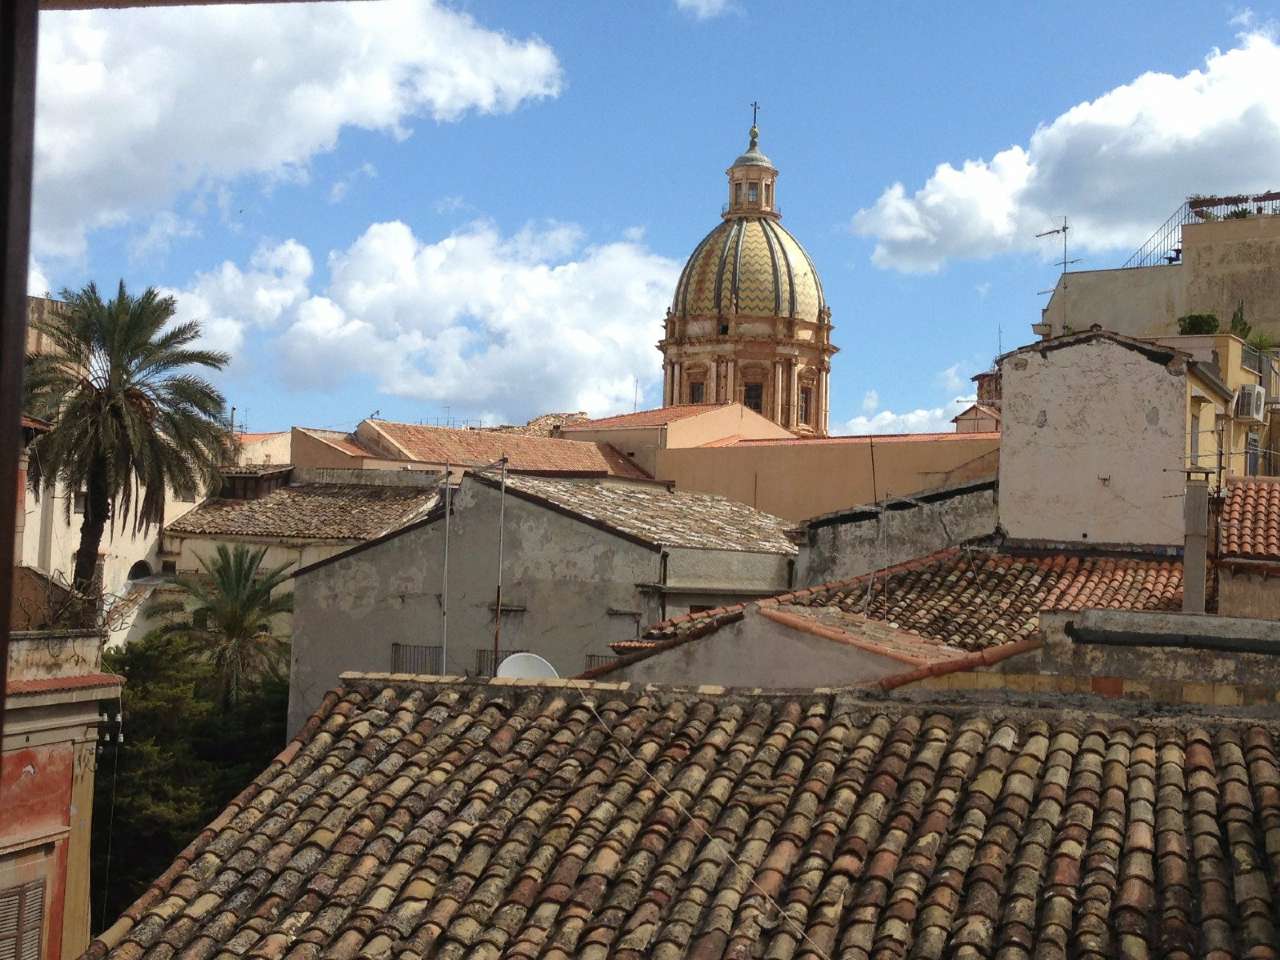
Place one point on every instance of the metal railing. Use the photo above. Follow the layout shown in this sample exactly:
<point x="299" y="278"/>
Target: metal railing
<point x="1165" y="245"/>
<point x="600" y="660"/>
<point x="417" y="658"/>
<point x="485" y="664"/>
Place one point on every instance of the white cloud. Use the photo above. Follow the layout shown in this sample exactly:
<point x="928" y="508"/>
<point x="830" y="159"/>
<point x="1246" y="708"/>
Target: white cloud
<point x="136" y="106"/>
<point x="871" y="401"/>
<point x="37" y="280"/>
<point x="165" y="228"/>
<point x="983" y="290"/>
<point x="703" y="9"/>
<point x="952" y="380"/>
<point x="1117" y="166"/>
<point x="338" y="189"/>
<point x="505" y="326"/>
<point x="227" y="300"/>
<point x="922" y="420"/>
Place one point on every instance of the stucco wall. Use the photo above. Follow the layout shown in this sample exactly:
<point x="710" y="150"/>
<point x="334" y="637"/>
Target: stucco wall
<point x="804" y="479"/>
<point x="560" y="580"/>
<point x="1246" y="593"/>
<point x="865" y="540"/>
<point x="756" y="652"/>
<point x="1224" y="263"/>
<point x="1092" y="447"/>
<point x="273" y="448"/>
<point x="728" y="568"/>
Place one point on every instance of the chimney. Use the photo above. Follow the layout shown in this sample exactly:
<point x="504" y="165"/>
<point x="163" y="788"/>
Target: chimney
<point x="1196" y="516"/>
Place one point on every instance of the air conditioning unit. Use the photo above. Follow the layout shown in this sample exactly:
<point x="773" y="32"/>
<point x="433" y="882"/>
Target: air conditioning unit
<point x="1251" y="404"/>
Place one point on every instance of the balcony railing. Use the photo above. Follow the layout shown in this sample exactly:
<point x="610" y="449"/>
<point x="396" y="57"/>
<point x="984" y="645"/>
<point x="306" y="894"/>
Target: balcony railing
<point x="485" y="664"/>
<point x="1165" y="245"/>
<point x="417" y="658"/>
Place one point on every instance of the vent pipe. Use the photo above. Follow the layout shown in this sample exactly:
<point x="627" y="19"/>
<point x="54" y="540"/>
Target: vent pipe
<point x="1194" y="554"/>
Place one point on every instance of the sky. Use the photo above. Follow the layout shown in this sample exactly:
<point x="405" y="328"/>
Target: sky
<point x="477" y="211"/>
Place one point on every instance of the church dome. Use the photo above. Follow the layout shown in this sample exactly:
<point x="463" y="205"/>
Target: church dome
<point x="750" y="266"/>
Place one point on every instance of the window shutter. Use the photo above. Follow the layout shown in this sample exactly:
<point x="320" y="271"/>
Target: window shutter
<point x="22" y="921"/>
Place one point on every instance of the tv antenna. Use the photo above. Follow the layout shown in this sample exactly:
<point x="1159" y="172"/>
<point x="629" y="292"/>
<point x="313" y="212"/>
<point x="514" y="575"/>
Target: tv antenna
<point x="1063" y="263"/>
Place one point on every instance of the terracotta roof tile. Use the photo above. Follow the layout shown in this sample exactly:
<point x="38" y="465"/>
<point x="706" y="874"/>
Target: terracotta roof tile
<point x="659" y="515"/>
<point x="1251" y="519"/>
<point x="962" y="598"/>
<point x="83" y="681"/>
<point x="450" y="820"/>
<point x="313" y="511"/>
<point x="473" y="448"/>
<point x="646" y="418"/>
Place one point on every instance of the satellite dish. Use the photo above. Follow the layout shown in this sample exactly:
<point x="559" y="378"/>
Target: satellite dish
<point x="527" y="666"/>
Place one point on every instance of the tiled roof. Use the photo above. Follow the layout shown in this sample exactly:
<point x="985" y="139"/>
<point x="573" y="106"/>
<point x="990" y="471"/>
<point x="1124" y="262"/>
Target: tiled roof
<point x="961" y="598"/>
<point x="647" y="418"/>
<point x="659" y="515"/>
<point x="35" y="423"/>
<point x="414" y="819"/>
<point x="473" y="448"/>
<point x="346" y="442"/>
<point x="981" y="408"/>
<point x="878" y="439"/>
<point x="1251" y="519"/>
<point x="82" y="681"/>
<point x="312" y="511"/>
<point x="256" y="437"/>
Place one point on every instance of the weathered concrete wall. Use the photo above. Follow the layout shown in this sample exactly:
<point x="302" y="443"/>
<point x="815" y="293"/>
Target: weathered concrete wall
<point x="639" y="443"/>
<point x="273" y="448"/>
<point x="802" y="479"/>
<point x="1248" y="593"/>
<point x="756" y="652"/>
<point x="42" y="654"/>
<point x="1224" y="263"/>
<point x="1092" y="446"/>
<point x="858" y="542"/>
<point x="1143" y="302"/>
<point x="728" y="569"/>
<point x="561" y="580"/>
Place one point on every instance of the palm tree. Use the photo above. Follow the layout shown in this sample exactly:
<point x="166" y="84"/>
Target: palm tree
<point x="228" y="616"/>
<point x="129" y="419"/>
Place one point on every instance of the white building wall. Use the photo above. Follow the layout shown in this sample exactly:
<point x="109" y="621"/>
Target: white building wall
<point x="1093" y="443"/>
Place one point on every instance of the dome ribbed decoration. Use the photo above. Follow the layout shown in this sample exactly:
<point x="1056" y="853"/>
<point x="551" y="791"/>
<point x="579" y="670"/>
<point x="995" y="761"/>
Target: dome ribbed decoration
<point x="750" y="266"/>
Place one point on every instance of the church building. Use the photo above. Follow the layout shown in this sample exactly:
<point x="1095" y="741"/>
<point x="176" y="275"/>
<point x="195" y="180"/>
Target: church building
<point x="749" y="322"/>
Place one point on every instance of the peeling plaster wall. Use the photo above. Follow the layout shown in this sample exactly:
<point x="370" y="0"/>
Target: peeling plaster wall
<point x="1092" y="446"/>
<point x="859" y="543"/>
<point x="756" y="652"/>
<point x="560" y="580"/>
<point x="724" y="568"/>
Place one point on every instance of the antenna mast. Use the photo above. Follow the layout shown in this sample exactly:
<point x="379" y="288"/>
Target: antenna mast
<point x="1063" y="263"/>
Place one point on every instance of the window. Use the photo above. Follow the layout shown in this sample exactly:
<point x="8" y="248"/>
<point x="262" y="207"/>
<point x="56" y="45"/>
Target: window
<point x="737" y="192"/>
<point x="169" y="567"/>
<point x="22" y="921"/>
<point x="753" y="397"/>
<point x="1195" y="436"/>
<point x="768" y="194"/>
<point x="696" y="391"/>
<point x="753" y="192"/>
<point x="1252" y="455"/>
<point x="724" y="329"/>
<point x="139" y="570"/>
<point x="78" y="502"/>
<point x="806" y="399"/>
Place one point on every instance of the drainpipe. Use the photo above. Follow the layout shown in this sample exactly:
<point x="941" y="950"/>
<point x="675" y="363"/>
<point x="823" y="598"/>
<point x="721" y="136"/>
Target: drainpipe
<point x="662" y="580"/>
<point x="1196" y="516"/>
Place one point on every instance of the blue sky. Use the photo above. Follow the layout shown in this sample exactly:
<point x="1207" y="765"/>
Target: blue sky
<point x="479" y="210"/>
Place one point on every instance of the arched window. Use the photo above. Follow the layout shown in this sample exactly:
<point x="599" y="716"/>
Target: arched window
<point x="140" y="570"/>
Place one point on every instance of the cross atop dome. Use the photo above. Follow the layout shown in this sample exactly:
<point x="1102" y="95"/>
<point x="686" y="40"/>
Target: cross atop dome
<point x="751" y="179"/>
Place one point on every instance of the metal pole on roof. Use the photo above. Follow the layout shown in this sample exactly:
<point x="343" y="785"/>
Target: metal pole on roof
<point x="444" y="586"/>
<point x="497" y="613"/>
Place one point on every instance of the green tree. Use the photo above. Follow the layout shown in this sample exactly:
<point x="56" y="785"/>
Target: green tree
<point x="1240" y="327"/>
<point x="184" y="757"/>
<point x="129" y="418"/>
<point x="229" y="615"/>
<point x="1198" y="323"/>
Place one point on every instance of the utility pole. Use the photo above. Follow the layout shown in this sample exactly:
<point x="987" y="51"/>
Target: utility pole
<point x="497" y="613"/>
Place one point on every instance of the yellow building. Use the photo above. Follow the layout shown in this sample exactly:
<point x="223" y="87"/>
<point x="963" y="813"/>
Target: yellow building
<point x="1231" y="391"/>
<point x="1212" y="256"/>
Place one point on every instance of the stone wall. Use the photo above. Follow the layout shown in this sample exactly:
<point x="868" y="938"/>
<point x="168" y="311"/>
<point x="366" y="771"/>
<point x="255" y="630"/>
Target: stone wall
<point x="1245" y="592"/>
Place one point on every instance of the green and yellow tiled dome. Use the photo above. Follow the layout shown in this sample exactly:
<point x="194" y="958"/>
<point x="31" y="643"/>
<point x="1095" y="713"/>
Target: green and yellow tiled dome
<point x="750" y="266"/>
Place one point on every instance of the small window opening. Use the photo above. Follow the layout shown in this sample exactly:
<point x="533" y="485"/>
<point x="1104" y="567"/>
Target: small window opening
<point x="737" y="192"/>
<point x="806" y="400"/>
<point x="724" y="329"/>
<point x="768" y="194"/>
<point x="696" y="392"/>
<point x="753" y="192"/>
<point x="169" y="567"/>
<point x="140" y="570"/>
<point x="753" y="397"/>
